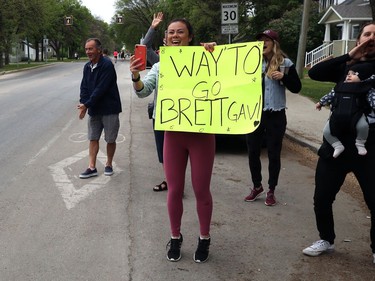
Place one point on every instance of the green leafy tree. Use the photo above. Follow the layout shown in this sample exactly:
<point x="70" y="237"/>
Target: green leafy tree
<point x="289" y="27"/>
<point x="67" y="39"/>
<point x="105" y="33"/>
<point x="7" y="28"/>
<point x="254" y="17"/>
<point x="35" y="21"/>
<point x="265" y="11"/>
<point x="137" y="17"/>
<point x="19" y="20"/>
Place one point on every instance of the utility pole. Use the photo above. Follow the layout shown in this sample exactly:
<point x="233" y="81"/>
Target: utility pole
<point x="303" y="37"/>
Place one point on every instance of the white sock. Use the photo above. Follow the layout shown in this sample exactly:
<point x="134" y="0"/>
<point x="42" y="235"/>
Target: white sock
<point x="360" y="144"/>
<point x="339" y="148"/>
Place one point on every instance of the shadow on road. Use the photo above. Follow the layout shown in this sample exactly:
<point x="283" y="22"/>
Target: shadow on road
<point x="233" y="144"/>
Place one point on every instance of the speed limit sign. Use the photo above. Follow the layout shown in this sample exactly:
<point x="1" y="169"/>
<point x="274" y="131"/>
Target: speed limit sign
<point x="229" y="13"/>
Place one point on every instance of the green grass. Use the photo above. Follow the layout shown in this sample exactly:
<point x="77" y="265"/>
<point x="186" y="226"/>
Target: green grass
<point x="314" y="89"/>
<point x="20" y="66"/>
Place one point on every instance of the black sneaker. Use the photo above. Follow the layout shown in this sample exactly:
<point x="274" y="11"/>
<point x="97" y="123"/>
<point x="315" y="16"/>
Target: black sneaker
<point x="201" y="254"/>
<point x="108" y="171"/>
<point x="88" y="173"/>
<point x="174" y="252"/>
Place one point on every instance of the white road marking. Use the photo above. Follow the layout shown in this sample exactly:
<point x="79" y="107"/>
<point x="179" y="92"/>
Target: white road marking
<point x="50" y="143"/>
<point x="72" y="196"/>
<point x="78" y="137"/>
<point x="82" y="137"/>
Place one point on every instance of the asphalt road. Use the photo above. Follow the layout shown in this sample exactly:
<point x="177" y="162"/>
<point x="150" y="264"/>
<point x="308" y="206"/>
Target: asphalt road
<point x="55" y="226"/>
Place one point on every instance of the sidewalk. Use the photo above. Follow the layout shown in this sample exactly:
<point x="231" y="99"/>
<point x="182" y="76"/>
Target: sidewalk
<point x="305" y="123"/>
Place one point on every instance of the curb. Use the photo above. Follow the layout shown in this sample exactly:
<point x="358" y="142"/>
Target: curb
<point x="24" y="69"/>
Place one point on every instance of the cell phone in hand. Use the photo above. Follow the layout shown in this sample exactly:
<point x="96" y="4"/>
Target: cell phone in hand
<point x="140" y="52"/>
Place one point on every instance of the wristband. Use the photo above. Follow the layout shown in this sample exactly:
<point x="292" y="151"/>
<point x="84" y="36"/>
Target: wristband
<point x="136" y="79"/>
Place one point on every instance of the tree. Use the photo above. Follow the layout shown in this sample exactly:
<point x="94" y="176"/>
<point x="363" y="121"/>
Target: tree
<point x="205" y="16"/>
<point x="35" y="21"/>
<point x="268" y="10"/>
<point x="7" y="28"/>
<point x="18" y="21"/>
<point x="137" y="17"/>
<point x="29" y="21"/>
<point x="254" y="17"/>
<point x="69" y="37"/>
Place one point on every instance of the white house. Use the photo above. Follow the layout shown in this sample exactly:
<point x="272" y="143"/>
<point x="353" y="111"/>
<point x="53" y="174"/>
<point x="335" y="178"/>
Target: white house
<point x="347" y="17"/>
<point x="20" y="52"/>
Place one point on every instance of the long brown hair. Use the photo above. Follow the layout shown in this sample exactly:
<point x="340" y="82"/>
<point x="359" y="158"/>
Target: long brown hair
<point x="276" y="60"/>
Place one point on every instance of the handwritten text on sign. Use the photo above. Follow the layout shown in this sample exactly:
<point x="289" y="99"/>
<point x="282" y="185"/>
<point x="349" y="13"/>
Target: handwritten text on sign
<point x="218" y="92"/>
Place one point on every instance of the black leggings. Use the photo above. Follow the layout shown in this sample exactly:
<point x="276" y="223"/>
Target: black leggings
<point x="159" y="141"/>
<point x="271" y="130"/>
<point x="329" y="177"/>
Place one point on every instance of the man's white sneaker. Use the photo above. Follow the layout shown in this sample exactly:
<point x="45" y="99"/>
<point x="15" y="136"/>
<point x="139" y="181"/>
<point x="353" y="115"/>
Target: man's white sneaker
<point x="318" y="247"/>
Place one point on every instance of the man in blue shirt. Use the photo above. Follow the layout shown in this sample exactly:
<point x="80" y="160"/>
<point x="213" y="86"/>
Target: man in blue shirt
<point x="100" y="97"/>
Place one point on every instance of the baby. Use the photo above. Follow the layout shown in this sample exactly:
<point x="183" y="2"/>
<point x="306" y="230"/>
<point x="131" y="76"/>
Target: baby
<point x="349" y="101"/>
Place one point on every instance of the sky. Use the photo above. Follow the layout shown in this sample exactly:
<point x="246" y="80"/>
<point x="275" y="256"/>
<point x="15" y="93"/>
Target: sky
<point x="103" y="9"/>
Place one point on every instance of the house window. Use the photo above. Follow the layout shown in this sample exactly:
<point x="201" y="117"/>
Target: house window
<point x="339" y="32"/>
<point x="355" y="31"/>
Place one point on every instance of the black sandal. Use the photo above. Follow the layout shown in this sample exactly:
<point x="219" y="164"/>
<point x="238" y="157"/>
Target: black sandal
<point x="161" y="187"/>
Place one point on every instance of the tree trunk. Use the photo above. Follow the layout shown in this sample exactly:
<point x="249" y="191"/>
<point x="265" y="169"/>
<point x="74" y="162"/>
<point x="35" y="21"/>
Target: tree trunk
<point x="7" y="51"/>
<point x="7" y="58"/>
<point x="372" y="4"/>
<point x="56" y="46"/>
<point x="36" y="44"/>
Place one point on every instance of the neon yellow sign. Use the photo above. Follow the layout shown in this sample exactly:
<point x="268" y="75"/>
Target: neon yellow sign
<point x="218" y="92"/>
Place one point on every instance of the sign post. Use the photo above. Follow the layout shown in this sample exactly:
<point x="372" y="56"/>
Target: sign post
<point x="229" y="19"/>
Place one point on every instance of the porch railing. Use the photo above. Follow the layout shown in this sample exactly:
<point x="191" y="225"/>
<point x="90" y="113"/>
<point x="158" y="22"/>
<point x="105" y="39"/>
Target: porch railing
<point x="318" y="54"/>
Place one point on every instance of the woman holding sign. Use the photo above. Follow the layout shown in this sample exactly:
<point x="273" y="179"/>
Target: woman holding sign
<point x="279" y="74"/>
<point x="152" y="58"/>
<point x="179" y="147"/>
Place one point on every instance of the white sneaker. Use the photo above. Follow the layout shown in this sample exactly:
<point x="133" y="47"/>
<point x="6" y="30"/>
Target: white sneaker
<point x="318" y="247"/>
<point x="374" y="258"/>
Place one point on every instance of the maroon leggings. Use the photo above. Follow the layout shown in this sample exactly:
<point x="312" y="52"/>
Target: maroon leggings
<point x="200" y="148"/>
